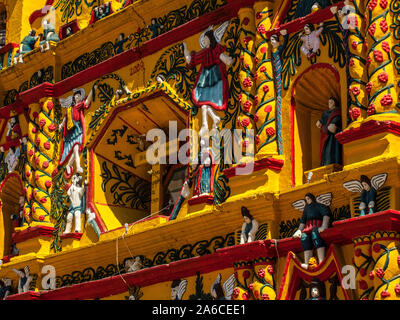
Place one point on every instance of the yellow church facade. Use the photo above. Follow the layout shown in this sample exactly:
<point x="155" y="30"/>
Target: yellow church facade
<point x="199" y="149"/>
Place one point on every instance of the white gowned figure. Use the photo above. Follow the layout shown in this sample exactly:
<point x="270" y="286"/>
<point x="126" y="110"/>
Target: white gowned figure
<point x="12" y="158"/>
<point x="207" y="89"/>
<point x="25" y="279"/>
<point x="75" y="193"/>
<point x="310" y="40"/>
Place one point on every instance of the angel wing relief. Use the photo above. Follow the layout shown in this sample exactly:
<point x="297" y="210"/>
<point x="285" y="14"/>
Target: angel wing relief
<point x="368" y="188"/>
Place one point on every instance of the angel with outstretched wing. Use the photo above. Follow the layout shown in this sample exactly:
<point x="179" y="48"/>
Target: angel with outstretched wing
<point x="178" y="288"/>
<point x="223" y="292"/>
<point x="24" y="279"/>
<point x="368" y="189"/>
<point x="211" y="86"/>
<point x="316" y="218"/>
<point x="73" y="127"/>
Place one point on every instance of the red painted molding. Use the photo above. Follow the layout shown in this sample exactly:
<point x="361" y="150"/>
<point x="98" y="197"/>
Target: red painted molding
<point x="201" y="199"/>
<point x="314" y="18"/>
<point x="8" y="47"/>
<point x="30" y="295"/>
<point x="72" y="235"/>
<point x="266" y="163"/>
<point x="31" y="233"/>
<point x="368" y="129"/>
<point x="341" y="233"/>
<point x="41" y="12"/>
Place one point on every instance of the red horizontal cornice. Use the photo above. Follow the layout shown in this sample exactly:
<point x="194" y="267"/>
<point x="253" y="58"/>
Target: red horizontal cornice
<point x="368" y="129"/>
<point x="342" y="232"/>
<point x="8" y="47"/>
<point x="266" y="163"/>
<point x="31" y="233"/>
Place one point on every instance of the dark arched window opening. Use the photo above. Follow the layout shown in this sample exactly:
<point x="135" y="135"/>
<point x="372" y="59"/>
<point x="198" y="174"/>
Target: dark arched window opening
<point x="3" y="25"/>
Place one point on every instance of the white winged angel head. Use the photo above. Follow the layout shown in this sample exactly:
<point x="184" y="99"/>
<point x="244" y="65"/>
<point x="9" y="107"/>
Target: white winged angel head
<point x="224" y="292"/>
<point x="325" y="199"/>
<point x="368" y="189"/>
<point x="178" y="288"/>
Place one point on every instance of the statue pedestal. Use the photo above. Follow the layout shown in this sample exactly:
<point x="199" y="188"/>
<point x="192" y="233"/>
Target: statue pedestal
<point x="319" y="173"/>
<point x="34" y="239"/>
<point x="71" y="240"/>
<point x="207" y="199"/>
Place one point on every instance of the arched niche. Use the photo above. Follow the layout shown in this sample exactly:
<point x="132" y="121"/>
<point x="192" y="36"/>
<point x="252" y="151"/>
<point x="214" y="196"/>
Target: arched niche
<point x="3" y="25"/>
<point x="310" y="95"/>
<point x="11" y="190"/>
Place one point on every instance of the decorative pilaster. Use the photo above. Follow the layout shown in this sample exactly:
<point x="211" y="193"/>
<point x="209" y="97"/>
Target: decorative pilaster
<point x="268" y="86"/>
<point x="354" y="29"/>
<point x="42" y="162"/>
<point x="381" y="89"/>
<point x="247" y="76"/>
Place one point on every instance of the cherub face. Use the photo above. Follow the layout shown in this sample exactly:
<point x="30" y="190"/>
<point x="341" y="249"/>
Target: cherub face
<point x="331" y="103"/>
<point x="274" y="42"/>
<point x="308" y="200"/>
<point x="307" y="30"/>
<point x="207" y="42"/>
<point x="78" y="97"/>
<point x="174" y="293"/>
<point x="246" y="219"/>
<point x="365" y="186"/>
<point x="315" y="292"/>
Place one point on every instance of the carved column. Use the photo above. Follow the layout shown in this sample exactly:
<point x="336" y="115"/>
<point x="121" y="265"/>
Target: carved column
<point x="247" y="75"/>
<point x="41" y="160"/>
<point x="267" y="107"/>
<point x="381" y="87"/>
<point x="353" y="27"/>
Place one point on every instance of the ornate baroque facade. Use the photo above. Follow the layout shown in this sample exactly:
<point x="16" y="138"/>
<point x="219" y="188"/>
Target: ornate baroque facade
<point x="293" y="106"/>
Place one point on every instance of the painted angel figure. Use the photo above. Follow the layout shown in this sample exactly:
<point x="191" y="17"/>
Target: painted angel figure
<point x="368" y="189"/>
<point x="223" y="292"/>
<point x="178" y="288"/>
<point x="73" y="127"/>
<point x="310" y="40"/>
<point x="316" y="219"/>
<point x="210" y="91"/>
<point x="24" y="279"/>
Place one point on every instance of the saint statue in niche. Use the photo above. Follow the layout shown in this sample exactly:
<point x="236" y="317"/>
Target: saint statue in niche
<point x="74" y="128"/>
<point x="330" y="124"/>
<point x="211" y="87"/>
